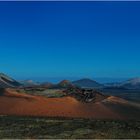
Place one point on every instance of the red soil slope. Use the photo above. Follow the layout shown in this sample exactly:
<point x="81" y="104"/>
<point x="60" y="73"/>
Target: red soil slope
<point x="13" y="103"/>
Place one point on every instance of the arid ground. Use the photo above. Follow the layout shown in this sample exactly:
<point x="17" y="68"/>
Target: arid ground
<point x="110" y="107"/>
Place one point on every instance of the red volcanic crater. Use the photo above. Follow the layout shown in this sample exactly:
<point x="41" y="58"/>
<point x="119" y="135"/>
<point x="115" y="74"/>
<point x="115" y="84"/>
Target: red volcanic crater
<point x="20" y="104"/>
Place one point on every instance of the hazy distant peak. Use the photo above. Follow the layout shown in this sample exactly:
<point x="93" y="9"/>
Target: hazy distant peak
<point x="29" y="83"/>
<point x="133" y="81"/>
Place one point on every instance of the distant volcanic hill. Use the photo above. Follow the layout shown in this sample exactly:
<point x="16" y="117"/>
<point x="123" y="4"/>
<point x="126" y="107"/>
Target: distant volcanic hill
<point x="65" y="83"/>
<point x="87" y="83"/>
<point x="46" y="84"/>
<point x="131" y="83"/>
<point x="6" y="81"/>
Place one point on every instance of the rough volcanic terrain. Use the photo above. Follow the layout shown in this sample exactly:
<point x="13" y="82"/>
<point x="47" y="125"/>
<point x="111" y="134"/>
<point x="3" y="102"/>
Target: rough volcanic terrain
<point x="20" y="104"/>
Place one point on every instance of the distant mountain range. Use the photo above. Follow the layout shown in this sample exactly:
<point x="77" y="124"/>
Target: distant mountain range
<point x="6" y="81"/>
<point x="83" y="83"/>
<point x="89" y="83"/>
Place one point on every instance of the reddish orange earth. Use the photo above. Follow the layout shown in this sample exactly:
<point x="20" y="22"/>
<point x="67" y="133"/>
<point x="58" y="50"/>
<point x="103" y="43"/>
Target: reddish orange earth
<point x="13" y="103"/>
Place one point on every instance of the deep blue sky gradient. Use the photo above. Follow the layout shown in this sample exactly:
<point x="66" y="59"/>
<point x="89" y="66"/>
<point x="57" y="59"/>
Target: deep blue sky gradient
<point x="70" y="39"/>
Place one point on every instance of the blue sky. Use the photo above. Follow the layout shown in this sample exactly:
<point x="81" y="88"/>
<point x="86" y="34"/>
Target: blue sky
<point x="70" y="39"/>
